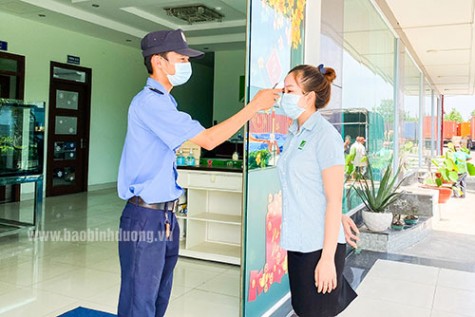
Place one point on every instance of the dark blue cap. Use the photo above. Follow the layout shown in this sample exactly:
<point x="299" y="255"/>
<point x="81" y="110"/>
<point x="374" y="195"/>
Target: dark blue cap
<point x="166" y="41"/>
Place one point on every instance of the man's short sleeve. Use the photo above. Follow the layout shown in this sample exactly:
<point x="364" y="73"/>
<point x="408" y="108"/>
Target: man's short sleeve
<point x="162" y="117"/>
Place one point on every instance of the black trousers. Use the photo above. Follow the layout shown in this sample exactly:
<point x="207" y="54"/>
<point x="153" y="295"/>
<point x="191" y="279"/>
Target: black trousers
<point x="306" y="301"/>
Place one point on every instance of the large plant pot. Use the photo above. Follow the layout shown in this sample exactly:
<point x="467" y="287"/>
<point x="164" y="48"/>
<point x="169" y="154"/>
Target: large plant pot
<point x="377" y="221"/>
<point x="444" y="194"/>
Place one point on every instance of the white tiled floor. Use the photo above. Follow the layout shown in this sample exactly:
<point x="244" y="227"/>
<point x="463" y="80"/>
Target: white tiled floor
<point x="401" y="289"/>
<point x="60" y="280"/>
<point x="49" y="278"/>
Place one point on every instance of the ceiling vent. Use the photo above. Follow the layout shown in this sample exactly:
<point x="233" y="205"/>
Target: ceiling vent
<point x="195" y="13"/>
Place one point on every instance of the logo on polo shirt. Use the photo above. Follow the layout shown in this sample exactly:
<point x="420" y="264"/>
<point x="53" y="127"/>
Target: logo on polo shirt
<point x="302" y="144"/>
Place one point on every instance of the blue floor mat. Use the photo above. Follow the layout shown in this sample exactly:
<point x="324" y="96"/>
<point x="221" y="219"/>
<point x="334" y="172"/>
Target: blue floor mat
<point x="86" y="312"/>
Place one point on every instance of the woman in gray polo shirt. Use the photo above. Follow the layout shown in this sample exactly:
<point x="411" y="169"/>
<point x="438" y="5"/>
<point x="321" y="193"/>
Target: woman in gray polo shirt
<point x="311" y="170"/>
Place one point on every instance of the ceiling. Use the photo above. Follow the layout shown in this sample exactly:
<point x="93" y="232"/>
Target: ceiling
<point x="440" y="33"/>
<point x="441" y="36"/>
<point x="127" y="21"/>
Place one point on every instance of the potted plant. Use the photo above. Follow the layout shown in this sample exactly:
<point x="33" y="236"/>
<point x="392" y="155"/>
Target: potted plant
<point x="377" y="197"/>
<point x="397" y="223"/>
<point x="444" y="177"/>
<point x="411" y="219"/>
<point x="398" y="208"/>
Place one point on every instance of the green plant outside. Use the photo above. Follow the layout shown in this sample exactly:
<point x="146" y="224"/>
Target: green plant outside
<point x="349" y="158"/>
<point x="447" y="170"/>
<point x="378" y="199"/>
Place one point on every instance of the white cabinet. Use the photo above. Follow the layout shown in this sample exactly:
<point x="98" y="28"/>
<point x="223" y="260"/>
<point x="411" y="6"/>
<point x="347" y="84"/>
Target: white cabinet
<point x="211" y="230"/>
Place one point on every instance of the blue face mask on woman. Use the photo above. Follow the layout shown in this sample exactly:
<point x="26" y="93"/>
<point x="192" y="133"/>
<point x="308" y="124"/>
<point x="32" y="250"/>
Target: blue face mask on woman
<point x="182" y="74"/>
<point x="290" y="105"/>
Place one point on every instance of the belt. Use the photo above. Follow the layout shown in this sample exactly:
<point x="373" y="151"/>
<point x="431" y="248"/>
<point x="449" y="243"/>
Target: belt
<point x="169" y="205"/>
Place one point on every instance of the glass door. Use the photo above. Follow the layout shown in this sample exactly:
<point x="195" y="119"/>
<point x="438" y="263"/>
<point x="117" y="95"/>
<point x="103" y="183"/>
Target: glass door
<point x="68" y="131"/>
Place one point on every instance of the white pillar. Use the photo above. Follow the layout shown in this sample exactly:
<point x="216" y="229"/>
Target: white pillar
<point x="433" y="124"/>
<point x="313" y="16"/>
<point x="439" y="125"/>
<point x="420" y="133"/>
<point x="396" y="99"/>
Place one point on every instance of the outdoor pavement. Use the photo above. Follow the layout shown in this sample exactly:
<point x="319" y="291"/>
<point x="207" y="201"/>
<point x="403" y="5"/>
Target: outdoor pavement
<point x="453" y="235"/>
<point x="433" y="278"/>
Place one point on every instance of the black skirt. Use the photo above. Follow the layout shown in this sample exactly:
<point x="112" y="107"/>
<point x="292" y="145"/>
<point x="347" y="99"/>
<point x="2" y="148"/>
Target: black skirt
<point x="306" y="301"/>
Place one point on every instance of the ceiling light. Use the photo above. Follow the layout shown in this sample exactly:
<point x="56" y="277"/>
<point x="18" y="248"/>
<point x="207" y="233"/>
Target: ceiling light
<point x="195" y="13"/>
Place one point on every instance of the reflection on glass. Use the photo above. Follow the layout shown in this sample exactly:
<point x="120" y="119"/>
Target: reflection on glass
<point x="64" y="151"/>
<point x="64" y="176"/>
<point x="21" y="141"/>
<point x="66" y="125"/>
<point x="368" y="86"/>
<point x="69" y="74"/>
<point x="409" y="112"/>
<point x="67" y="99"/>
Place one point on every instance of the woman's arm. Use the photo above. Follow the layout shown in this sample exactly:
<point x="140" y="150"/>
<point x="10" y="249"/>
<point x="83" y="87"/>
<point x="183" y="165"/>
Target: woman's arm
<point x="325" y="272"/>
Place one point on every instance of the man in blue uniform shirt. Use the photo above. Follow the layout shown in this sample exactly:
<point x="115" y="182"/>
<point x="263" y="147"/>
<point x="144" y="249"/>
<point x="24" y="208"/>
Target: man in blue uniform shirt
<point x="149" y="233"/>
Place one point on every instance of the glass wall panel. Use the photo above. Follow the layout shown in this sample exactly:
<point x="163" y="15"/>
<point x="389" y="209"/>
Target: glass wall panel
<point x="368" y="85"/>
<point x="409" y="111"/>
<point x="275" y="46"/>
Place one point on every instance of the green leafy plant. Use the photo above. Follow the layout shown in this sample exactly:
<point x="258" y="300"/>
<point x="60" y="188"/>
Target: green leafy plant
<point x="378" y="198"/>
<point x="350" y="170"/>
<point x="6" y="144"/>
<point x="349" y="167"/>
<point x="447" y="170"/>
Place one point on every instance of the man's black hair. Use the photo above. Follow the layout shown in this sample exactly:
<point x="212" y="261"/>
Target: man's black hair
<point x="148" y="61"/>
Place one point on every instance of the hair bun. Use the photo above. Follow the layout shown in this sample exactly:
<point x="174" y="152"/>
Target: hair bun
<point x="329" y="74"/>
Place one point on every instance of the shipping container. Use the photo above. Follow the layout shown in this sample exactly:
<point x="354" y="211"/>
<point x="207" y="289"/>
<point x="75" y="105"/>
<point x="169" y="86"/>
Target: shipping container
<point x="471" y="139"/>
<point x="463" y="129"/>
<point x="450" y="129"/>
<point x="427" y="127"/>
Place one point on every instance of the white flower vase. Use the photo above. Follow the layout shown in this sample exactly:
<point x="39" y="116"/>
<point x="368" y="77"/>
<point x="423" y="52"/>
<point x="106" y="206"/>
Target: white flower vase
<point x="377" y="221"/>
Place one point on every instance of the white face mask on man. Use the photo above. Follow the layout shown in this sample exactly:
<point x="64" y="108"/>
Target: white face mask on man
<point x="290" y="105"/>
<point x="182" y="74"/>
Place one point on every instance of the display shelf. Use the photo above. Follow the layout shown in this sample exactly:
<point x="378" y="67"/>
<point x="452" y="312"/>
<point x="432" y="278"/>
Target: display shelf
<point x="215" y="217"/>
<point x="212" y="226"/>
<point x="219" y="252"/>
